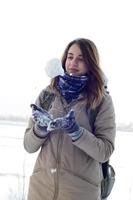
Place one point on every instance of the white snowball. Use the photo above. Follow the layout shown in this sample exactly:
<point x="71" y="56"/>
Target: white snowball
<point x="54" y="68"/>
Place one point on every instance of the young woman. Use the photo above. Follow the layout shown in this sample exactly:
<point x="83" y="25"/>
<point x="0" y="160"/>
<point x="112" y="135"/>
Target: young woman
<point x="68" y="166"/>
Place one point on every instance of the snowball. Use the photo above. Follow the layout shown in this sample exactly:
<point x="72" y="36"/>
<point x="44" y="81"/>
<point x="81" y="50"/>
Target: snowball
<point x="54" y="68"/>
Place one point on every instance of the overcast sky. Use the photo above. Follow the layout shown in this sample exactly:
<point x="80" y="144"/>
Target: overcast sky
<point x="32" y="32"/>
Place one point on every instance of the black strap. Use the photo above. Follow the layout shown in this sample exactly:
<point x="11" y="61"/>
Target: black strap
<point x="92" y="118"/>
<point x="47" y="99"/>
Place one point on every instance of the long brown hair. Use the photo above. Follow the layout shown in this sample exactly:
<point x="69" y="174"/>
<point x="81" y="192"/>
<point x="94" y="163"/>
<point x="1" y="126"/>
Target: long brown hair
<point x="95" y="85"/>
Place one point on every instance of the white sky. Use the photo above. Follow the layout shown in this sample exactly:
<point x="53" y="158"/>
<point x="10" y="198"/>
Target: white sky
<point x="32" y="32"/>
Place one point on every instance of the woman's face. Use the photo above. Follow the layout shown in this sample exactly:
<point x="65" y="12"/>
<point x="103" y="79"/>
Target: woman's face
<point x="75" y="64"/>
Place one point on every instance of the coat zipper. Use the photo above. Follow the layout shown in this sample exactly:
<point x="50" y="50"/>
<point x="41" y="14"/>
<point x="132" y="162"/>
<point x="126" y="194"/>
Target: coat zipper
<point x="56" y="176"/>
<point x="59" y="147"/>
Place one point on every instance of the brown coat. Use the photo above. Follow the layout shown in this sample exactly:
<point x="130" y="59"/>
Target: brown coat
<point x="67" y="170"/>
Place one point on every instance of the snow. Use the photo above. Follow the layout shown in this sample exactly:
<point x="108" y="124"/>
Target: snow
<point x="16" y="164"/>
<point x="54" y="68"/>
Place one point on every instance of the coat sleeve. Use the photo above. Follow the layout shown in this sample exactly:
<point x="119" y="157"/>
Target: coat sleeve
<point x="100" y="145"/>
<point x="32" y="142"/>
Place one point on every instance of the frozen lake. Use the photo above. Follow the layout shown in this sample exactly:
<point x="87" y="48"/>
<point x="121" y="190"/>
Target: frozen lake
<point x="16" y="165"/>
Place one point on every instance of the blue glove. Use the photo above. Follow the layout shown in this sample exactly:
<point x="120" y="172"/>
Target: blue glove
<point x="41" y="118"/>
<point x="68" y="124"/>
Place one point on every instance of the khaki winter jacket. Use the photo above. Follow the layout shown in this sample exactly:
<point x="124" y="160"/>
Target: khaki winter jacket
<point x="67" y="170"/>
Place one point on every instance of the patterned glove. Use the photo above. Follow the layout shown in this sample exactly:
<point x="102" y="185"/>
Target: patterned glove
<point x="68" y="124"/>
<point x="41" y="118"/>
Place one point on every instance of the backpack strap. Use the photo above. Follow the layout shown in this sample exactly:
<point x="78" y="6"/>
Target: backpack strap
<point x="93" y="115"/>
<point x="47" y="99"/>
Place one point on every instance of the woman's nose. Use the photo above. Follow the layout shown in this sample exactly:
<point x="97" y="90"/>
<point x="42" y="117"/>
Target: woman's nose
<point x="74" y="62"/>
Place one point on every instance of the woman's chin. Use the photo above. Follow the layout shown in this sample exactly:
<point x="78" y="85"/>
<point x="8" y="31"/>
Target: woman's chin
<point x="75" y="74"/>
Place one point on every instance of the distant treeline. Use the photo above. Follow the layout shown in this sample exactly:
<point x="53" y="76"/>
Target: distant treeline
<point x="120" y="126"/>
<point x="125" y="127"/>
<point x="14" y="118"/>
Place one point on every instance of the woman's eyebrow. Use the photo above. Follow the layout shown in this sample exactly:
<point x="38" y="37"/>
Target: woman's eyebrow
<point x="80" y="55"/>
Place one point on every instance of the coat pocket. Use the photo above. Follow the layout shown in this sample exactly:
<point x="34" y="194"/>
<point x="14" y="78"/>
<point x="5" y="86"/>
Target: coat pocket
<point x="78" y="187"/>
<point x="40" y="187"/>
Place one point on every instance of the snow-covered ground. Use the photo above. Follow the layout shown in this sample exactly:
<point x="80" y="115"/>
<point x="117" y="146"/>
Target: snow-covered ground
<point x="16" y="165"/>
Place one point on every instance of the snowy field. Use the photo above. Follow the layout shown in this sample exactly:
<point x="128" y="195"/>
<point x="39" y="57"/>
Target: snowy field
<point x="16" y="165"/>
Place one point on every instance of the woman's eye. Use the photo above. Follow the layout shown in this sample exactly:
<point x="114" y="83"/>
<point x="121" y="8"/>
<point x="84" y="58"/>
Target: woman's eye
<point x="81" y="59"/>
<point x="70" y="57"/>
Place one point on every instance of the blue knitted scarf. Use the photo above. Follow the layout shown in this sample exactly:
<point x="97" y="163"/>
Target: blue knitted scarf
<point x="71" y="86"/>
